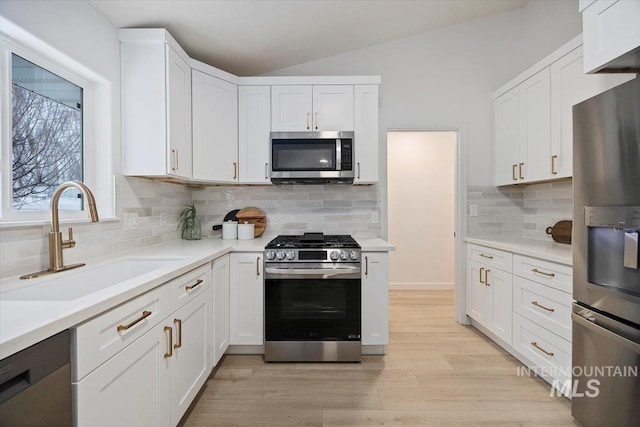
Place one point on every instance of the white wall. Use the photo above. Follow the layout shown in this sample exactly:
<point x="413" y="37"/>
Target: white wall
<point x="421" y="177"/>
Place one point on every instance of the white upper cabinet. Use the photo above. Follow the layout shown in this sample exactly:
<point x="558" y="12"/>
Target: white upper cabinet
<point x="156" y="108"/>
<point x="311" y="108"/>
<point x="535" y="127"/>
<point x="366" y="147"/>
<point x="215" y="130"/>
<point x="254" y="125"/>
<point x="611" y="30"/>
<point x="507" y="136"/>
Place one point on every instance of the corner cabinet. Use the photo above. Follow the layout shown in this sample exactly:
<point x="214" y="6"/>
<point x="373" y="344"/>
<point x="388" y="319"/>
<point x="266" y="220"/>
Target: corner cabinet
<point x="375" y="298"/>
<point x="533" y="127"/>
<point x="246" y="296"/>
<point x="156" y="106"/>
<point x="215" y="130"/>
<point x="311" y="108"/>
<point x="254" y="125"/>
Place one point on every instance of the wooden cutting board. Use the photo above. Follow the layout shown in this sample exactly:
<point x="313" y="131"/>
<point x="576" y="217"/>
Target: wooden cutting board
<point x="255" y="216"/>
<point x="561" y="231"/>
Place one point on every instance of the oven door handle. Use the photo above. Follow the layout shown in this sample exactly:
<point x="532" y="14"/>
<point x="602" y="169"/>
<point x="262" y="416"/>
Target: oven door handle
<point x="317" y="272"/>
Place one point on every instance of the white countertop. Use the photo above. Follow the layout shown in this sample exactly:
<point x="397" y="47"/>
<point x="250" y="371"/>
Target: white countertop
<point x="24" y="323"/>
<point x="550" y="251"/>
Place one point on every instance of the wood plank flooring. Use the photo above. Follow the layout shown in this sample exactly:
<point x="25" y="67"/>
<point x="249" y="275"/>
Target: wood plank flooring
<point x="435" y="372"/>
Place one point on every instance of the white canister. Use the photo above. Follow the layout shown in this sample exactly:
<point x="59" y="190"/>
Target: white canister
<point x="245" y="231"/>
<point x="230" y="230"/>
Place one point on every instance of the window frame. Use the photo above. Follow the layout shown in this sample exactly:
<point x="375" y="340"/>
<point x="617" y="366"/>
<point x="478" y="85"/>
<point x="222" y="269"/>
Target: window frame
<point x="52" y="60"/>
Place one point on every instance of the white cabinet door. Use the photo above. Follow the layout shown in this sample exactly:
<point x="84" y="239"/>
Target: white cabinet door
<point x="570" y="86"/>
<point x="189" y="364"/>
<point x="215" y="129"/>
<point x="610" y="29"/>
<point x="507" y="137"/>
<point x="535" y="127"/>
<point x="375" y="298"/>
<point x="366" y="146"/>
<point x="131" y="388"/>
<point x="476" y="291"/>
<point x="291" y="108"/>
<point x="254" y="125"/>
<point x="179" y="114"/>
<point x="333" y="107"/>
<point x="246" y="295"/>
<point x="499" y="287"/>
<point x="221" y="307"/>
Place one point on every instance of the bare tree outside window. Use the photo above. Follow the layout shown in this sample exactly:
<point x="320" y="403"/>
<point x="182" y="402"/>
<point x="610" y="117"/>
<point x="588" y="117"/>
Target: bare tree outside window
<point x="47" y="136"/>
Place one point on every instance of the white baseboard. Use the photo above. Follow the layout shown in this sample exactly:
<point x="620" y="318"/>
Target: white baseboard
<point x="425" y="286"/>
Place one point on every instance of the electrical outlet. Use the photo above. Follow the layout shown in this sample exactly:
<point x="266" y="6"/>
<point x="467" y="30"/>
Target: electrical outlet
<point x="130" y="221"/>
<point x="473" y="210"/>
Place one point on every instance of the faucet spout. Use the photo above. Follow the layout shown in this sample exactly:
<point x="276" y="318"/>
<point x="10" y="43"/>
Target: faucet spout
<point x="90" y="199"/>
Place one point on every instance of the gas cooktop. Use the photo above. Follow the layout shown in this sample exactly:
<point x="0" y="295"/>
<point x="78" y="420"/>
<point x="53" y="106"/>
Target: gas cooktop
<point x="312" y="240"/>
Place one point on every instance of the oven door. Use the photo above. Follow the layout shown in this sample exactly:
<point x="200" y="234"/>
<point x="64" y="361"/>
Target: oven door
<point x="310" y="304"/>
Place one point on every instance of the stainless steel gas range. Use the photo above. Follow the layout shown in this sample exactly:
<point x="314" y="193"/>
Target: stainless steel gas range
<point x="312" y="299"/>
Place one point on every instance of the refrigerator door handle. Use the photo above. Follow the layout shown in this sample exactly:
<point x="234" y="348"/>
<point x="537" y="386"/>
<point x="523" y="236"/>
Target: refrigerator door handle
<point x="626" y="342"/>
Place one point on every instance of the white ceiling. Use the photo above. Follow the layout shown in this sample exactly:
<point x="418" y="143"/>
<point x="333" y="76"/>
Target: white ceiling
<point x="250" y="37"/>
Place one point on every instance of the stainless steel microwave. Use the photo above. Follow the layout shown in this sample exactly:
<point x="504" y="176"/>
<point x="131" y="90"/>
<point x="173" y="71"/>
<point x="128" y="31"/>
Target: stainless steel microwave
<point x="312" y="157"/>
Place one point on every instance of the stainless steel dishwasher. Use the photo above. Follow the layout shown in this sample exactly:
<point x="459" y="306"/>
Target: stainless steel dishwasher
<point x="35" y="385"/>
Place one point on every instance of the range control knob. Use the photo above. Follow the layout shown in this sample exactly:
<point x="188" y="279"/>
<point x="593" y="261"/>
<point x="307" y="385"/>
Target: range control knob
<point x="334" y="255"/>
<point x="353" y="255"/>
<point x="344" y="255"/>
<point x="270" y="255"/>
<point x="280" y="255"/>
<point x="291" y="255"/>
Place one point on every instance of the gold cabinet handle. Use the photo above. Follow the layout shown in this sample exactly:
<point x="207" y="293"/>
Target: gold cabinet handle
<point x="366" y="266"/>
<point x="542" y="306"/>
<point x="169" y="352"/>
<point x="486" y="256"/>
<point x="195" y="285"/>
<point x="535" y="270"/>
<point x="178" y="323"/>
<point x="145" y="314"/>
<point x="513" y="172"/>
<point x="266" y="171"/>
<point x="553" y="165"/>
<point x="175" y="160"/>
<point x="317" y="121"/>
<point x="481" y="270"/>
<point x="358" y="170"/>
<point x="486" y="277"/>
<point x="535" y="344"/>
<point x="308" y="115"/>
<point x="520" y="170"/>
<point x="235" y="170"/>
<point x="258" y="266"/>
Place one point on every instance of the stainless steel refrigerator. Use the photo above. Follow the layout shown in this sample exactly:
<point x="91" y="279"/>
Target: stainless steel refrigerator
<point x="606" y="271"/>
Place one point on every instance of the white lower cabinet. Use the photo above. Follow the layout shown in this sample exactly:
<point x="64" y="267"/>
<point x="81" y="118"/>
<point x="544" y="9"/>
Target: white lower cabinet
<point x="375" y="298"/>
<point x="154" y="378"/>
<point x="220" y="307"/>
<point x="246" y="297"/>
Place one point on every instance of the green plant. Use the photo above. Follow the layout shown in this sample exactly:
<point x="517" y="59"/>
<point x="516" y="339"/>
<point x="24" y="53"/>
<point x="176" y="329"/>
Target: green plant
<point x="189" y="224"/>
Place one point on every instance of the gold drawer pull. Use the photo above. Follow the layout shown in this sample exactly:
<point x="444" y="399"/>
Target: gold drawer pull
<point x="258" y="266"/>
<point x="553" y="165"/>
<point x="481" y="270"/>
<point x="366" y="266"/>
<point x="195" y="285"/>
<point x="486" y="277"/>
<point x="513" y="172"/>
<point x="535" y="270"/>
<point x="535" y="344"/>
<point x="178" y="323"/>
<point x="542" y="306"/>
<point x="486" y="256"/>
<point x="520" y="170"/>
<point x="169" y="353"/>
<point x="145" y="314"/>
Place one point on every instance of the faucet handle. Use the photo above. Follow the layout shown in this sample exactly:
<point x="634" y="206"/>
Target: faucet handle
<point x="69" y="243"/>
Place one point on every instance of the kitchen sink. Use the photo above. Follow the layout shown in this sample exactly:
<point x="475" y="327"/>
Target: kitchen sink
<point x="86" y="280"/>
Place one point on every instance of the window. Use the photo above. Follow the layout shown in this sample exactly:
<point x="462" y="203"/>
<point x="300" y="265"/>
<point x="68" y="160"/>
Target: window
<point x="46" y="124"/>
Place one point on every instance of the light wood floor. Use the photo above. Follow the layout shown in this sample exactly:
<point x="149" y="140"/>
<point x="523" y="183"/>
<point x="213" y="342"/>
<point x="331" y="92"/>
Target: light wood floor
<point x="435" y="372"/>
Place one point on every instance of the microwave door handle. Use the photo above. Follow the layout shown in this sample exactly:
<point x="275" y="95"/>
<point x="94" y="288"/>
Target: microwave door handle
<point x="338" y="154"/>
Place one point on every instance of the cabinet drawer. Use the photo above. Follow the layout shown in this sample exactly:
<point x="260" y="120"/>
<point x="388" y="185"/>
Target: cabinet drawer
<point x="188" y="286"/>
<point x="102" y="337"/>
<point x="543" y="305"/>
<point x="547" y="351"/>
<point x="490" y="257"/>
<point x="548" y="273"/>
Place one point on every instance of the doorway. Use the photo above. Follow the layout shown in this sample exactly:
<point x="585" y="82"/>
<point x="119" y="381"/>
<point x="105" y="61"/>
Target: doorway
<point x="421" y="208"/>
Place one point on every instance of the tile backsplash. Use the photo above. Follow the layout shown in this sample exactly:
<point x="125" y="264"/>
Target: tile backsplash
<point x="519" y="211"/>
